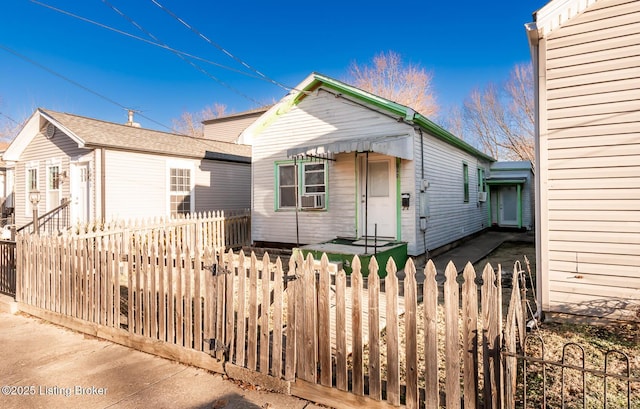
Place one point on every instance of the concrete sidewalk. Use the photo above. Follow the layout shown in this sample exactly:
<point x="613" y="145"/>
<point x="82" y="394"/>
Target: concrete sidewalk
<point x="472" y="250"/>
<point x="46" y="366"/>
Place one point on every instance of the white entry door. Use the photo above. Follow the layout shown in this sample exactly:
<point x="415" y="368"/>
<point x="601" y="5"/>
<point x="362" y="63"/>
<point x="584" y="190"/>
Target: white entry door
<point x="509" y="206"/>
<point x="80" y="192"/>
<point x="378" y="197"/>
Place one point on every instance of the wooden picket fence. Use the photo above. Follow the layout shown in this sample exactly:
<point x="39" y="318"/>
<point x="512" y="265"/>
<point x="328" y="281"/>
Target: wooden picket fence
<point x="305" y="331"/>
<point x="228" y="229"/>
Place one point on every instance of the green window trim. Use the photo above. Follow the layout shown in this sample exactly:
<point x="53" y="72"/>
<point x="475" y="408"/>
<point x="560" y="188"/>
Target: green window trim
<point x="481" y="184"/>
<point x="311" y="194"/>
<point x="465" y="176"/>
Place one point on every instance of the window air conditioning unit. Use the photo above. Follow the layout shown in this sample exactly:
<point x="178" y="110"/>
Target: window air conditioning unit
<point x="482" y="196"/>
<point x="312" y="202"/>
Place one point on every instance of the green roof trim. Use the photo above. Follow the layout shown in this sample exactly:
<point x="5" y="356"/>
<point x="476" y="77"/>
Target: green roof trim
<point x="394" y="108"/>
<point x="493" y="182"/>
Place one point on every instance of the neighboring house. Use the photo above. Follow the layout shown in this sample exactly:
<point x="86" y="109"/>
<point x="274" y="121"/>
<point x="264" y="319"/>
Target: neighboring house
<point x="112" y="171"/>
<point x="6" y="193"/>
<point x="352" y="162"/>
<point x="511" y="187"/>
<point x="229" y="127"/>
<point x="587" y="69"/>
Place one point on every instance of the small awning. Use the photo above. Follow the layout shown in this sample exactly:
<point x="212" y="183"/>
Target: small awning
<point x="505" y="181"/>
<point x="396" y="146"/>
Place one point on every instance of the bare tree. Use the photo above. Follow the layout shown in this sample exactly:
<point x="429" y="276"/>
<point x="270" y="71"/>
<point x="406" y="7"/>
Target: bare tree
<point x="454" y="122"/>
<point x="190" y="123"/>
<point x="502" y="118"/>
<point x="9" y="127"/>
<point x="390" y="78"/>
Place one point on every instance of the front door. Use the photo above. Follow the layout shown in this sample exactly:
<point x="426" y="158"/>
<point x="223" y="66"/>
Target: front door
<point x="508" y="206"/>
<point x="378" y="196"/>
<point x="80" y="192"/>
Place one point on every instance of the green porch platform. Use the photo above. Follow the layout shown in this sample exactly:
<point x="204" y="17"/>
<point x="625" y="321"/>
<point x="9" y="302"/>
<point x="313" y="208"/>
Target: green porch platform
<point x="343" y="250"/>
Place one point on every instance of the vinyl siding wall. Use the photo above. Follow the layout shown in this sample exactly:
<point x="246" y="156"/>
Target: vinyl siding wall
<point x="222" y="186"/>
<point x="137" y="184"/>
<point x="450" y="217"/>
<point x="322" y="118"/>
<point x="228" y="130"/>
<point x="319" y="118"/>
<point x="590" y="163"/>
<point x="41" y="149"/>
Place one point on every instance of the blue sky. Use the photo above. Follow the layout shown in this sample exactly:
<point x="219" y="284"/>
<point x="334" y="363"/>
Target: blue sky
<point x="465" y="45"/>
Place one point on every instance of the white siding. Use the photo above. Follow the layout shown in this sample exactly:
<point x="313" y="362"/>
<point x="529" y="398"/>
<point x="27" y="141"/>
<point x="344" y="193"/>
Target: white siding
<point x="318" y="118"/>
<point x="135" y="185"/>
<point x="40" y="149"/>
<point x="222" y="186"/>
<point x="590" y="163"/>
<point x="228" y="130"/>
<point x="450" y="217"/>
<point x="323" y="118"/>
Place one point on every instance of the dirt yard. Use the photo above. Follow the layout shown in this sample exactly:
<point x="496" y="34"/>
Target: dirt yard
<point x="596" y="341"/>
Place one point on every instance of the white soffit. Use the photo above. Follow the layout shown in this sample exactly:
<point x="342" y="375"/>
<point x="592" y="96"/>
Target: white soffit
<point x="557" y="12"/>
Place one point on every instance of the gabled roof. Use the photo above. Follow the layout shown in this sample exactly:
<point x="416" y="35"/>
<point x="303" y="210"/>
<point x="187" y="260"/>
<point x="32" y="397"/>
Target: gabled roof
<point x="238" y="115"/>
<point x="93" y="133"/>
<point x="405" y="113"/>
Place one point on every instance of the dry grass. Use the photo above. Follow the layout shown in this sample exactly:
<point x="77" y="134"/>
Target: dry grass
<point x="595" y="340"/>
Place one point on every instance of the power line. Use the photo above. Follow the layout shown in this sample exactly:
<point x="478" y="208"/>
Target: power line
<point x="182" y="57"/>
<point x="124" y="33"/>
<point x="9" y="118"/>
<point x="219" y="47"/>
<point x="77" y="84"/>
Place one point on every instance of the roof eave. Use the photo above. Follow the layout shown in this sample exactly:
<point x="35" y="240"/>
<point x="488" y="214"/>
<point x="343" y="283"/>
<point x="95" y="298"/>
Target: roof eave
<point x="402" y="111"/>
<point x="443" y="134"/>
<point x="81" y="142"/>
<point x="314" y="81"/>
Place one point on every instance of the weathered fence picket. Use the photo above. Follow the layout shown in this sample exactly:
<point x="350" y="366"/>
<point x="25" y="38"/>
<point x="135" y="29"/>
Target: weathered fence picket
<point x="411" y="331"/>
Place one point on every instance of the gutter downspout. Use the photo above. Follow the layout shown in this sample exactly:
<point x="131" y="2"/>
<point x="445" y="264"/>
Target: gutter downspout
<point x="295" y="169"/>
<point x="422" y="190"/>
<point x="533" y="36"/>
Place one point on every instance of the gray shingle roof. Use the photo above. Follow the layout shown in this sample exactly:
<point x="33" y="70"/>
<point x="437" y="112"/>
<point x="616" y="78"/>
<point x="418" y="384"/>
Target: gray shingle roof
<point x="101" y="134"/>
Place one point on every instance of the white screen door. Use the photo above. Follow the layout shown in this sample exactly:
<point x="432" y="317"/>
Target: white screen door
<point x="378" y="197"/>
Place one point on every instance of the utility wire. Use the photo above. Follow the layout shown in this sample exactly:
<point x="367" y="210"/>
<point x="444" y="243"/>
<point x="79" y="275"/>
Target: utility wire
<point x="9" y="118"/>
<point x="219" y="47"/>
<point x="77" y="84"/>
<point x="124" y="33"/>
<point x="194" y="65"/>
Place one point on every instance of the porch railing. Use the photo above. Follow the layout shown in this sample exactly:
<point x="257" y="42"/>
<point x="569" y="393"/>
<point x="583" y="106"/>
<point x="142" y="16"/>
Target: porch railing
<point x="53" y="221"/>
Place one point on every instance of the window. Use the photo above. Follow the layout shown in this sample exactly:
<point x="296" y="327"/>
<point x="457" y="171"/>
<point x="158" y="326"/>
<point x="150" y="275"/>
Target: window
<point x="32" y="179"/>
<point x="481" y="185"/>
<point x="314" y="182"/>
<point x="286" y="186"/>
<point x="465" y="175"/>
<point x="180" y="191"/>
<point x="312" y="192"/>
